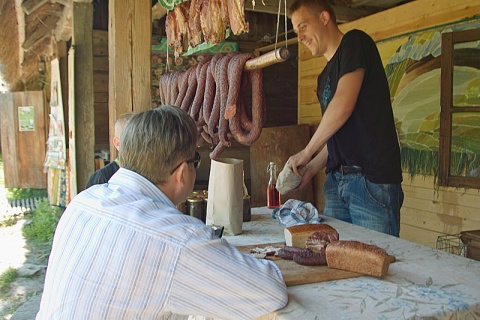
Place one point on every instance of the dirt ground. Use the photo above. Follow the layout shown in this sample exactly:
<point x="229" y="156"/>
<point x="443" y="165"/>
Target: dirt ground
<point x="15" y="254"/>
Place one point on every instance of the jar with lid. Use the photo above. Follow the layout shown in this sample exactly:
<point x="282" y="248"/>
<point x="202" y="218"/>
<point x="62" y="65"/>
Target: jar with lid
<point x="195" y="207"/>
<point x="273" y="196"/>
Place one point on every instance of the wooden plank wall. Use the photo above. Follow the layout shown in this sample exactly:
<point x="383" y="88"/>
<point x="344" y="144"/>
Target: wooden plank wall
<point x="100" y="89"/>
<point x="81" y="110"/>
<point x="130" y="32"/>
<point x="276" y="144"/>
<point x="425" y="213"/>
<point x="23" y="152"/>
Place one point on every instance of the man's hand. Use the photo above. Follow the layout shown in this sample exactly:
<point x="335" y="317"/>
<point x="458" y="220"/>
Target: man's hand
<point x="312" y="167"/>
<point x="297" y="161"/>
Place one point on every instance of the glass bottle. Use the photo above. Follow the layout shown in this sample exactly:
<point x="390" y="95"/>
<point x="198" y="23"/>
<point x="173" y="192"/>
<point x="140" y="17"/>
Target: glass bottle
<point x="273" y="196"/>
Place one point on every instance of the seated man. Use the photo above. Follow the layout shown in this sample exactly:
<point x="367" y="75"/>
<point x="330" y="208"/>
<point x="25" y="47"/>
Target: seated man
<point x="122" y="250"/>
<point x="104" y="174"/>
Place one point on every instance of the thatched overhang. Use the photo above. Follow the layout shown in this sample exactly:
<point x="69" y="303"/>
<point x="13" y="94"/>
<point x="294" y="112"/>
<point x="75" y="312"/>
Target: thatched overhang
<point x="29" y="30"/>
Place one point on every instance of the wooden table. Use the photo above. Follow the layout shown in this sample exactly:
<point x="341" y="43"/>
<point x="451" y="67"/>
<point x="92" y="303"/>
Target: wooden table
<point x="423" y="283"/>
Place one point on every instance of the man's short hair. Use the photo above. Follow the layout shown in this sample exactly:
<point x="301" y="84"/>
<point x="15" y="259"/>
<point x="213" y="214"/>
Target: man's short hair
<point x="121" y="122"/>
<point x="315" y="7"/>
<point x="155" y="141"/>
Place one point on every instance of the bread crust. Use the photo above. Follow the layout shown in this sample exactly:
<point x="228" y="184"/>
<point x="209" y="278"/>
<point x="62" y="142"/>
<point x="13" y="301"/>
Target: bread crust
<point x="358" y="257"/>
<point x="296" y="236"/>
<point x="312" y="227"/>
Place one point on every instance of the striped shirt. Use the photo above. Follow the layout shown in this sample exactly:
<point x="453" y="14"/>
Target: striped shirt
<point x="123" y="251"/>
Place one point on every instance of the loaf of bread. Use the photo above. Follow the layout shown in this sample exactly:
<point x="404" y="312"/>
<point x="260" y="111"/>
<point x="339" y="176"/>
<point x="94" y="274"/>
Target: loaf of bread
<point x="358" y="257"/>
<point x="296" y="236"/>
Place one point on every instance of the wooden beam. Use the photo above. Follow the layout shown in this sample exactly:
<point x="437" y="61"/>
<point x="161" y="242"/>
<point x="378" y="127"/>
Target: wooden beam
<point x="130" y="33"/>
<point x="30" y="6"/>
<point x="158" y="11"/>
<point x="63" y="30"/>
<point x="21" y="33"/>
<point x="64" y="2"/>
<point x="272" y="46"/>
<point x="43" y="32"/>
<point x="414" y="16"/>
<point x="342" y="13"/>
<point x="38" y="36"/>
<point x="345" y="14"/>
<point x="271" y="6"/>
<point x="82" y="110"/>
<point x="62" y="55"/>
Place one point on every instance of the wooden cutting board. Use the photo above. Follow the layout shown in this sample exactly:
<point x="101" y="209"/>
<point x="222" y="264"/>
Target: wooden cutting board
<point x="295" y="274"/>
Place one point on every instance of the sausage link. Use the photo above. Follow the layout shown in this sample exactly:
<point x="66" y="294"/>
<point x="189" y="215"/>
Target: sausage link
<point x="287" y="252"/>
<point x="161" y="82"/>
<point x="215" y="113"/>
<point x="210" y="89"/>
<point x="235" y="73"/>
<point x="217" y="151"/>
<point x="190" y="94"/>
<point x="222" y="80"/>
<point x="197" y="103"/>
<point x="173" y="86"/>
<point x="182" y="88"/>
<point x="242" y="135"/>
<point x="310" y="258"/>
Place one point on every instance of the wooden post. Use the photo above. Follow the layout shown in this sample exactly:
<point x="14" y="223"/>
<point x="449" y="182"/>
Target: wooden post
<point x="62" y="55"/>
<point x="129" y="49"/>
<point x="82" y="89"/>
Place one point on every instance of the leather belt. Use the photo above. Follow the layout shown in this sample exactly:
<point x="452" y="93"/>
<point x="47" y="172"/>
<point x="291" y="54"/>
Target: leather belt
<point x="344" y="170"/>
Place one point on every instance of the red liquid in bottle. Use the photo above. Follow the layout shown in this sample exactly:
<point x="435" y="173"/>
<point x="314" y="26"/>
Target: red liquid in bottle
<point x="273" y="197"/>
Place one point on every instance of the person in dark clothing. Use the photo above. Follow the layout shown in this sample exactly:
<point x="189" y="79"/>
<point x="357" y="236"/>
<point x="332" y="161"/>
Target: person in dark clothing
<point x="356" y="139"/>
<point x="103" y="175"/>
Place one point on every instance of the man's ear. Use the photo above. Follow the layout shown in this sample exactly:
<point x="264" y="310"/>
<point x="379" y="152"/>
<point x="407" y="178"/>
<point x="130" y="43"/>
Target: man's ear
<point x="180" y="173"/>
<point x="116" y="142"/>
<point x="325" y="17"/>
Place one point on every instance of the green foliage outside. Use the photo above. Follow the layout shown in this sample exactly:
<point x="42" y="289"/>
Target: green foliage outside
<point x="38" y="231"/>
<point x="43" y="223"/>
<point x="6" y="278"/>
<point x="19" y="193"/>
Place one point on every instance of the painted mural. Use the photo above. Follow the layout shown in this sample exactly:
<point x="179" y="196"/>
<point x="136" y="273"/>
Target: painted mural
<point x="414" y="76"/>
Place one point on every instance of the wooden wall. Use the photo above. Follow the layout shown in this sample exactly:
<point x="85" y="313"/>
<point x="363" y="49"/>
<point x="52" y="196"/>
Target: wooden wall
<point x="100" y="86"/>
<point x="23" y="151"/>
<point x="426" y="213"/>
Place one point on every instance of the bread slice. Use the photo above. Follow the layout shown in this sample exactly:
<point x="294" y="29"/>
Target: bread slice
<point x="358" y="257"/>
<point x="296" y="236"/>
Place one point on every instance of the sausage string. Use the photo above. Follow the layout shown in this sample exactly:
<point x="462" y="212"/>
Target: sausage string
<point x="213" y="94"/>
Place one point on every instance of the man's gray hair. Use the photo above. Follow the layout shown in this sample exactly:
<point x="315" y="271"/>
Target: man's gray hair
<point x="155" y="141"/>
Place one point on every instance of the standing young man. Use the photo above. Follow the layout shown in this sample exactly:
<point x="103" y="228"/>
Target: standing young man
<point x="122" y="250"/>
<point x="356" y="139"/>
<point x="103" y="175"/>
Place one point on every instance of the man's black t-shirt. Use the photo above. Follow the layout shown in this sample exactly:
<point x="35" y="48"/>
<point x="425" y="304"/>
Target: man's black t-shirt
<point x="103" y="175"/>
<point x="368" y="139"/>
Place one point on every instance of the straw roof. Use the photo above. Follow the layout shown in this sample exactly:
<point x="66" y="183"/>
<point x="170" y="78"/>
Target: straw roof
<point x="9" y="48"/>
<point x="27" y="41"/>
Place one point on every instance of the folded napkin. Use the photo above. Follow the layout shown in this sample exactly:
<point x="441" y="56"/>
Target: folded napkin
<point x="287" y="179"/>
<point x="295" y="212"/>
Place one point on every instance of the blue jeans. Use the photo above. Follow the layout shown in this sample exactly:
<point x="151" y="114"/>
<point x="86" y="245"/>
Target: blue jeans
<point x="352" y="198"/>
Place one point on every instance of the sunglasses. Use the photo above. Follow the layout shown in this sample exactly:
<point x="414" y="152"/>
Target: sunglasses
<point x="195" y="160"/>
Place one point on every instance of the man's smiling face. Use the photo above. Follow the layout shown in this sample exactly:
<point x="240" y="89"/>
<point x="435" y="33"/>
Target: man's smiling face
<point x="310" y="28"/>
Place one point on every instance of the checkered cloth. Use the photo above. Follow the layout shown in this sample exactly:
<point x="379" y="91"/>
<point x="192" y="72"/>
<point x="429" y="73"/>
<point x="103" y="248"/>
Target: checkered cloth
<point x="295" y="212"/>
